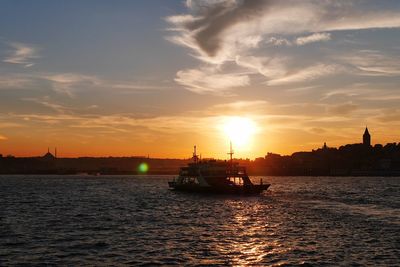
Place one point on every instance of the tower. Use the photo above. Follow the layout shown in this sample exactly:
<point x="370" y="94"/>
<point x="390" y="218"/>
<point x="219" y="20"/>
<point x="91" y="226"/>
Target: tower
<point x="366" y="138"/>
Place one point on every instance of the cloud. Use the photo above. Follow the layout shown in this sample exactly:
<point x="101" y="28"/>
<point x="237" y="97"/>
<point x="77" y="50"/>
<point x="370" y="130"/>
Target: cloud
<point x="205" y="30"/>
<point x="277" y="41"/>
<point x="13" y="81"/>
<point x="384" y="97"/>
<point x="70" y="78"/>
<point x="317" y="130"/>
<point x="316" y="37"/>
<point x="113" y="123"/>
<point x="313" y="38"/>
<point x="373" y="63"/>
<point x="46" y="102"/>
<point x="68" y="83"/>
<point x="22" y="54"/>
<point x="215" y="29"/>
<point x="242" y="104"/>
<point x="245" y="32"/>
<point x="2" y="137"/>
<point x="207" y="80"/>
<point x="65" y="83"/>
<point x="391" y="115"/>
<point x="71" y="83"/>
<point x="342" y="109"/>
<point x="303" y="40"/>
<point x="268" y="67"/>
<point x="238" y="108"/>
<point x="370" y="93"/>
<point x="308" y="74"/>
<point x="303" y="89"/>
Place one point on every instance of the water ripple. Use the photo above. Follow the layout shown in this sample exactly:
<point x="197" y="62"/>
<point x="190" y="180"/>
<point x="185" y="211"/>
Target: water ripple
<point x="300" y="221"/>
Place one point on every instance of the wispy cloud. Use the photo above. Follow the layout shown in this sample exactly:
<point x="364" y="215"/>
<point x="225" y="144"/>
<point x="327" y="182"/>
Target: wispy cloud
<point x="268" y="67"/>
<point x="242" y="104"/>
<point x="252" y="107"/>
<point x="225" y="31"/>
<point x="119" y="123"/>
<point x="71" y="83"/>
<point x="316" y="37"/>
<point x="390" y="115"/>
<point x="342" y="109"/>
<point x="364" y="93"/>
<point x="217" y="28"/>
<point x="278" y="41"/>
<point x="23" y="54"/>
<point x="46" y="102"/>
<point x="302" y="40"/>
<point x="374" y="63"/>
<point x="13" y="81"/>
<point x="68" y="83"/>
<point x="206" y="80"/>
<point x="308" y="74"/>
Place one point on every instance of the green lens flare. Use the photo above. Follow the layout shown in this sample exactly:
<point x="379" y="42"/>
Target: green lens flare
<point x="143" y="167"/>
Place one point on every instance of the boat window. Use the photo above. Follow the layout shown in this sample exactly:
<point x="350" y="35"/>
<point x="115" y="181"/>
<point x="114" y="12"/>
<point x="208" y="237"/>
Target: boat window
<point x="190" y="180"/>
<point x="236" y="180"/>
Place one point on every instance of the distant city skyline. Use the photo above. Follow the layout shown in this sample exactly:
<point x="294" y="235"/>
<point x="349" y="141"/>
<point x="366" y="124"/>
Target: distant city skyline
<point x="356" y="159"/>
<point x="366" y="138"/>
<point x="126" y="78"/>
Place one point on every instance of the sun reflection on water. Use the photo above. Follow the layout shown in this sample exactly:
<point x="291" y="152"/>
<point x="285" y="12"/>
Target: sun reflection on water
<point x="253" y="237"/>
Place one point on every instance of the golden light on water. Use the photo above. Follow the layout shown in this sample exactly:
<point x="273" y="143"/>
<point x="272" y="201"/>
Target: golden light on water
<point x="239" y="130"/>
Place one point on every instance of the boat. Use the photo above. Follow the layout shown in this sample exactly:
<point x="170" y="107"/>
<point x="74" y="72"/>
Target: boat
<point x="212" y="176"/>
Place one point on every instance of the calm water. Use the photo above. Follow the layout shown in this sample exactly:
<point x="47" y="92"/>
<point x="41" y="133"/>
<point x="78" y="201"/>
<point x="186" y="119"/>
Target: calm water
<point x="72" y="220"/>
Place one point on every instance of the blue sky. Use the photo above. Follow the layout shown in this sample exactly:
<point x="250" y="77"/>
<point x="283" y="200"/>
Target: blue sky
<point x="118" y="77"/>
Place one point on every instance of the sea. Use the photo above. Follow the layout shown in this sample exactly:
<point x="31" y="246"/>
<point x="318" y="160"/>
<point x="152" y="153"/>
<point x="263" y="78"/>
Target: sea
<point x="138" y="221"/>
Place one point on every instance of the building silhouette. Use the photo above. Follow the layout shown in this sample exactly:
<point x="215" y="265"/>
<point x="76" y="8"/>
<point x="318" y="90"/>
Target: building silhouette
<point x="359" y="159"/>
<point x="366" y="138"/>
<point x="48" y="155"/>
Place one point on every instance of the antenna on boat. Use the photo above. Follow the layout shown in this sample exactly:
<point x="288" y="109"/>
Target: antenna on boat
<point x="195" y="157"/>
<point x="231" y="151"/>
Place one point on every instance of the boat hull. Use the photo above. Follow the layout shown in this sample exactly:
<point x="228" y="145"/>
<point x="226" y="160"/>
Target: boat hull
<point x="236" y="190"/>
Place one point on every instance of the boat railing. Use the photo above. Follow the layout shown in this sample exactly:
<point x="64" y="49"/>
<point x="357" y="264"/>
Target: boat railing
<point x="240" y="171"/>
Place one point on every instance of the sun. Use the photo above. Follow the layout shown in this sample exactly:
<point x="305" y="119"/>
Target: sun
<point x="239" y="130"/>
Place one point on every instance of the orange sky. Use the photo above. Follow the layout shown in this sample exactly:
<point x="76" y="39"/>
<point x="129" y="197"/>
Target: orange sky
<point x="157" y="77"/>
<point x="212" y="142"/>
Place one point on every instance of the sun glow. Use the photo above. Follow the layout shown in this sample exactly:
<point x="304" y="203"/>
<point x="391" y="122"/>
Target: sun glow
<point x="239" y="130"/>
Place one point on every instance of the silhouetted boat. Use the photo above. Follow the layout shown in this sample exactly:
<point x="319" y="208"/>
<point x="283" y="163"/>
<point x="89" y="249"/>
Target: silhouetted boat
<point x="211" y="176"/>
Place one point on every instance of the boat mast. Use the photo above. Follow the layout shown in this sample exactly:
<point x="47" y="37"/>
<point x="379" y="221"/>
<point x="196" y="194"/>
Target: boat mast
<point x="231" y="154"/>
<point x="231" y="151"/>
<point x="195" y="157"/>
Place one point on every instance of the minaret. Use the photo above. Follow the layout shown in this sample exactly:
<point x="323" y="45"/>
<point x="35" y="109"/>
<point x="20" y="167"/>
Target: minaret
<point x="366" y="138"/>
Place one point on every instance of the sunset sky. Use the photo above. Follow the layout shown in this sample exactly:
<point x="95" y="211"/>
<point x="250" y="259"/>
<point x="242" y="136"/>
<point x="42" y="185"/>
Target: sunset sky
<point x="122" y="78"/>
